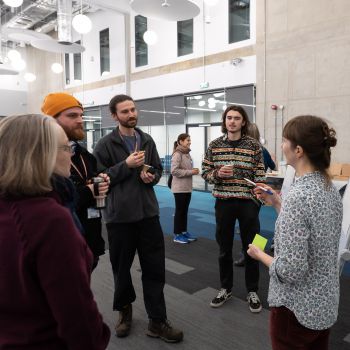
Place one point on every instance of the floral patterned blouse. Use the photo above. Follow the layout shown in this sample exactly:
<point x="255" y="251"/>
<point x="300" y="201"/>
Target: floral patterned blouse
<point x="305" y="273"/>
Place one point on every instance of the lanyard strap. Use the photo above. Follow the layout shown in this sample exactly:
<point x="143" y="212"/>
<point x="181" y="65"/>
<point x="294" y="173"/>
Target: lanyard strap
<point x="131" y="150"/>
<point x="77" y="170"/>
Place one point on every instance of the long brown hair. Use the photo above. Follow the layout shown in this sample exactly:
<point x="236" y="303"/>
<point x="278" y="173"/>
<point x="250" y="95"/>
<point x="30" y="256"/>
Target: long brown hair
<point x="242" y="112"/>
<point x="181" y="137"/>
<point x="316" y="139"/>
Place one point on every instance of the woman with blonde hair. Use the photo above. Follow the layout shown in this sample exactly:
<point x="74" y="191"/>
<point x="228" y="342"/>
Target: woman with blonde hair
<point x="182" y="171"/>
<point x="304" y="273"/>
<point x="45" y="298"/>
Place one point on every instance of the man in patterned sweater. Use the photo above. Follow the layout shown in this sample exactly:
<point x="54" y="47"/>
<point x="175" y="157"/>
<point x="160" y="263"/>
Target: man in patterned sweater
<point x="228" y="160"/>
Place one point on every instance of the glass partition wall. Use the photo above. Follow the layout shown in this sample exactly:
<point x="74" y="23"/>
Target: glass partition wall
<point x="164" y="118"/>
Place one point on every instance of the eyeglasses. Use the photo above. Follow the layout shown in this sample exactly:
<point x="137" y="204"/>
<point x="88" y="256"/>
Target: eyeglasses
<point x="66" y="148"/>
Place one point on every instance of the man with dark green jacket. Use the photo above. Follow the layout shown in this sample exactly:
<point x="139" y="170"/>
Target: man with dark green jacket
<point x="130" y="158"/>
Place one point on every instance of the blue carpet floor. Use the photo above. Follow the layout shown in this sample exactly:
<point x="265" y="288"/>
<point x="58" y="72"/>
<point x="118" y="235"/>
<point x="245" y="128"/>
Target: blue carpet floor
<point x="201" y="218"/>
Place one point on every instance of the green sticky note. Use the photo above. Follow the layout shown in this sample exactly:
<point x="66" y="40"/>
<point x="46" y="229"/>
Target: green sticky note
<point x="259" y="241"/>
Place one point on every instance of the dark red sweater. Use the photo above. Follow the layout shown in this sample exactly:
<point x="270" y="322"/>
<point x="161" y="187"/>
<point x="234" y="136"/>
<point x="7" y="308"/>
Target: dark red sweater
<point x="45" y="265"/>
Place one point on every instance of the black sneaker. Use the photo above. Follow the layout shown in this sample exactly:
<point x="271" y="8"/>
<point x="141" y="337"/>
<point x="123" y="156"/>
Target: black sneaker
<point x="221" y="298"/>
<point x="254" y="302"/>
<point x="164" y="331"/>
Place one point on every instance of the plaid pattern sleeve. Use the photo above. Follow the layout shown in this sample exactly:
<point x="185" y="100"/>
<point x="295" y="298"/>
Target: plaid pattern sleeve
<point x="247" y="159"/>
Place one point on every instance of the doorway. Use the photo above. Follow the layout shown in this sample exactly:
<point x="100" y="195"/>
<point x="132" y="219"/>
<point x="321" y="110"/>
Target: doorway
<point x="201" y="135"/>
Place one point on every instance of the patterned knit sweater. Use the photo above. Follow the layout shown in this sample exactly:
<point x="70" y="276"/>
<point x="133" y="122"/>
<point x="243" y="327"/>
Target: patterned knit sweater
<point x="246" y="156"/>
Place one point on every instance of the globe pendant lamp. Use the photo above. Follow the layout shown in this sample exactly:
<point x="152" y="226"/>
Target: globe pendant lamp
<point x="81" y="23"/>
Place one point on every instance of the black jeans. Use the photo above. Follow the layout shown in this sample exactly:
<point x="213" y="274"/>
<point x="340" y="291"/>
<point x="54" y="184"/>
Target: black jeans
<point x="247" y="213"/>
<point x="145" y="236"/>
<point x="182" y="202"/>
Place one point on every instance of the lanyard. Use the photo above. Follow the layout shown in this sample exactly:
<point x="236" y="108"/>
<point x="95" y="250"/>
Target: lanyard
<point x="127" y="144"/>
<point x="77" y="170"/>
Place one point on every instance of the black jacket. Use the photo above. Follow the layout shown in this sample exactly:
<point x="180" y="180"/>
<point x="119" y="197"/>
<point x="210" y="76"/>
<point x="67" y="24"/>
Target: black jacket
<point x="130" y="199"/>
<point x="92" y="227"/>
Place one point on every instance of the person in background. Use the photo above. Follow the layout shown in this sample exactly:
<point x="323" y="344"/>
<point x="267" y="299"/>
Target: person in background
<point x="304" y="273"/>
<point x="130" y="158"/>
<point x="253" y="131"/>
<point x="68" y="112"/>
<point x="45" y="298"/>
<point x="228" y="160"/>
<point x="182" y="171"/>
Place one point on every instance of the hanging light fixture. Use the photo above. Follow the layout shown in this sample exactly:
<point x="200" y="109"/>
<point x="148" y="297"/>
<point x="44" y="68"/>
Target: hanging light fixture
<point x="19" y="64"/>
<point x="29" y="77"/>
<point x="57" y="68"/>
<point x="13" y="3"/>
<point x="13" y="55"/>
<point x="150" y="37"/>
<point x="82" y="23"/>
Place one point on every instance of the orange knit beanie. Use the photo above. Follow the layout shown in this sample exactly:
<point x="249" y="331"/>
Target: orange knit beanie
<point x="58" y="102"/>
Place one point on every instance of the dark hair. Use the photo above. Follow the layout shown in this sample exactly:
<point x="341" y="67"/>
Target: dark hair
<point x="181" y="137"/>
<point x="315" y="137"/>
<point x="118" y="99"/>
<point x="253" y="131"/>
<point x="242" y="112"/>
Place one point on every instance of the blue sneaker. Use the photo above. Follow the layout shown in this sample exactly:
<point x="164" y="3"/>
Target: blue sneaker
<point x="189" y="236"/>
<point x="180" y="239"/>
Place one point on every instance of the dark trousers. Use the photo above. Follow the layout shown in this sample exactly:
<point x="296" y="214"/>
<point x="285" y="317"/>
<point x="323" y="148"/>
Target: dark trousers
<point x="145" y="236"/>
<point x="247" y="214"/>
<point x="288" y="334"/>
<point x="182" y="202"/>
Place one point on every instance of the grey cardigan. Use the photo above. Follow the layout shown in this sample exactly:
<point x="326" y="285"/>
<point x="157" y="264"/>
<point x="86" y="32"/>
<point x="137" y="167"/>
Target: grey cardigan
<point x="181" y="169"/>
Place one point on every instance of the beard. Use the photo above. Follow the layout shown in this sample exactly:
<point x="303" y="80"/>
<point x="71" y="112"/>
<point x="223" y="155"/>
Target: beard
<point x="130" y="123"/>
<point x="75" y="134"/>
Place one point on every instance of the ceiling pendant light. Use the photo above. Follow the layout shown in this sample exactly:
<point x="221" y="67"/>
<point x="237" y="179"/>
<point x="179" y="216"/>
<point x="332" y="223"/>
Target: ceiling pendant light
<point x="57" y="68"/>
<point x="19" y="64"/>
<point x="13" y="3"/>
<point x="150" y="37"/>
<point x="29" y="77"/>
<point x="81" y="23"/>
<point x="13" y="55"/>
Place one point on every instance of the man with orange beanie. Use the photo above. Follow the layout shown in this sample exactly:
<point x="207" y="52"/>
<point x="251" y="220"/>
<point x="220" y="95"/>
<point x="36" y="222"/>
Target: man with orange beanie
<point x="68" y="112"/>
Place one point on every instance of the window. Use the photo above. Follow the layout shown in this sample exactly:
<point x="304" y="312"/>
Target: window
<point x="239" y="20"/>
<point x="185" y="37"/>
<point x="141" y="49"/>
<point x="77" y="64"/>
<point x="104" y="52"/>
<point x="67" y="68"/>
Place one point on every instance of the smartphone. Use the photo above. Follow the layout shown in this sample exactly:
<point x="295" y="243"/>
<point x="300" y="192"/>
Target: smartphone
<point x="148" y="169"/>
<point x="260" y="187"/>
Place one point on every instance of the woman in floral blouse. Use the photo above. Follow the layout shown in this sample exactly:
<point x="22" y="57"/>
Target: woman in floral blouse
<point x="304" y="283"/>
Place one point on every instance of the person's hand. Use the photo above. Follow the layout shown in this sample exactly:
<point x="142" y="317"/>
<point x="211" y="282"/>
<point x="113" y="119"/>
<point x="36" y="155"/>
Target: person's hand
<point x="254" y="252"/>
<point x="270" y="199"/>
<point x="147" y="177"/>
<point x="225" y="171"/>
<point x="135" y="159"/>
<point x="105" y="177"/>
<point x="195" y="171"/>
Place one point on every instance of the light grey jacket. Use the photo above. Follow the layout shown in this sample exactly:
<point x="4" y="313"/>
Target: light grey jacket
<point x="181" y="169"/>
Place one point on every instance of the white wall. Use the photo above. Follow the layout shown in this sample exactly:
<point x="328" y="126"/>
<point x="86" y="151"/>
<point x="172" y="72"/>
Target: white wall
<point x="164" y="53"/>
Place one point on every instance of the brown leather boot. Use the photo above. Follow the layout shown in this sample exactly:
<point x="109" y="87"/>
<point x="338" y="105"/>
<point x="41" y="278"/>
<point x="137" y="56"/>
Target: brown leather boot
<point x="164" y="331"/>
<point x="123" y="325"/>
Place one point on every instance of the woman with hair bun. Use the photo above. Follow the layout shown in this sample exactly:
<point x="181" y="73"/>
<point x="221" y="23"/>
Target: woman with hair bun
<point x="304" y="273"/>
